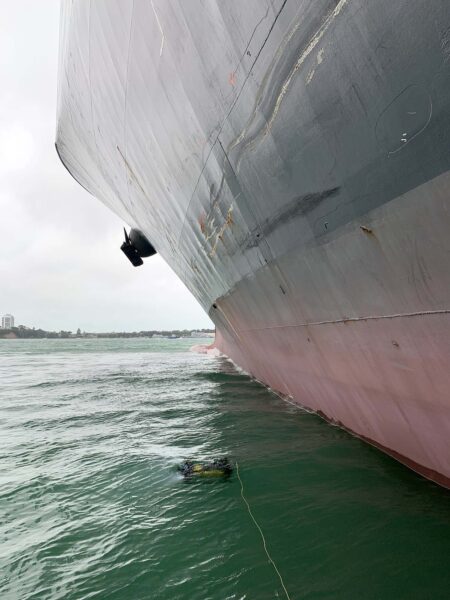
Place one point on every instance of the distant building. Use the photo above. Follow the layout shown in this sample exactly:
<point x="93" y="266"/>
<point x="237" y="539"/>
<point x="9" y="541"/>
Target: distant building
<point x="7" y="321"/>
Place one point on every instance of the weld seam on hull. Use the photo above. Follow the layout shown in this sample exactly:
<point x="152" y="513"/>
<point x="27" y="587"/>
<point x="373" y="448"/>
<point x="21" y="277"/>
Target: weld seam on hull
<point x="422" y="313"/>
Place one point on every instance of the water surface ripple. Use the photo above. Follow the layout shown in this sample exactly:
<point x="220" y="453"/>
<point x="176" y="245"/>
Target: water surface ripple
<point x="91" y="506"/>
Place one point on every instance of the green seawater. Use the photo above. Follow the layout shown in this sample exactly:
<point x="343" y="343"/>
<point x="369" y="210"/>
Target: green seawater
<point x="91" y="505"/>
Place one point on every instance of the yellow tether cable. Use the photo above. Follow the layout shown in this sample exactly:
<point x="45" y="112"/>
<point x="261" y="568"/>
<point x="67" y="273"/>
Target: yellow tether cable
<point x="261" y="533"/>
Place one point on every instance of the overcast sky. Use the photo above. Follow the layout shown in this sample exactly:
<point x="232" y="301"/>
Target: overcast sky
<point x="60" y="262"/>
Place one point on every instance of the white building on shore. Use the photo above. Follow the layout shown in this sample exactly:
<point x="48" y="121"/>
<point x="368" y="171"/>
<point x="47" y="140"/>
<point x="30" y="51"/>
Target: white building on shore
<point x="7" y="321"/>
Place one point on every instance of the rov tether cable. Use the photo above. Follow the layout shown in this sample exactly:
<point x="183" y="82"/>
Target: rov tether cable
<point x="261" y="533"/>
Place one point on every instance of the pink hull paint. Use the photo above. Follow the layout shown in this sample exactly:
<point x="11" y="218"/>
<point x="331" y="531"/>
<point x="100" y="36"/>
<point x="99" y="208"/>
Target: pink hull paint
<point x="353" y="375"/>
<point x="363" y="342"/>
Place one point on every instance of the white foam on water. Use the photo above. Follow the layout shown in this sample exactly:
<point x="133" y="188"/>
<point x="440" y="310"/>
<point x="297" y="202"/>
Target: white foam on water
<point x="206" y="349"/>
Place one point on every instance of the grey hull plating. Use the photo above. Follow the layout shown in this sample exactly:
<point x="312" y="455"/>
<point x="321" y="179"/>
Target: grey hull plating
<point x="289" y="160"/>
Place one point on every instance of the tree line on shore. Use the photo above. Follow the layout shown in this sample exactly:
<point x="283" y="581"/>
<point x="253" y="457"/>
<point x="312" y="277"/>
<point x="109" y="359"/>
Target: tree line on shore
<point x="27" y="333"/>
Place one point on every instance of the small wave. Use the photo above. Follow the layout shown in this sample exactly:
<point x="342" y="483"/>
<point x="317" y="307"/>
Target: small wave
<point x="91" y="505"/>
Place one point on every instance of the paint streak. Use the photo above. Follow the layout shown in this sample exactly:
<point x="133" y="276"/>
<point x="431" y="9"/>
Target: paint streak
<point x="160" y="28"/>
<point x="265" y="88"/>
<point x="299" y="206"/>
<point x="131" y="172"/>
<point x="319" y="60"/>
<point x="201" y="222"/>
<point x="409" y="123"/>
<point x="216" y="233"/>
<point x="301" y="59"/>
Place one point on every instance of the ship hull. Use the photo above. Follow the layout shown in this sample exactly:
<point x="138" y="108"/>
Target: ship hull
<point x="382" y="375"/>
<point x="290" y="160"/>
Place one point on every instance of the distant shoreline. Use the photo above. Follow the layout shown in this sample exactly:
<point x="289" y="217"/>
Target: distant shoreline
<point x="31" y="333"/>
